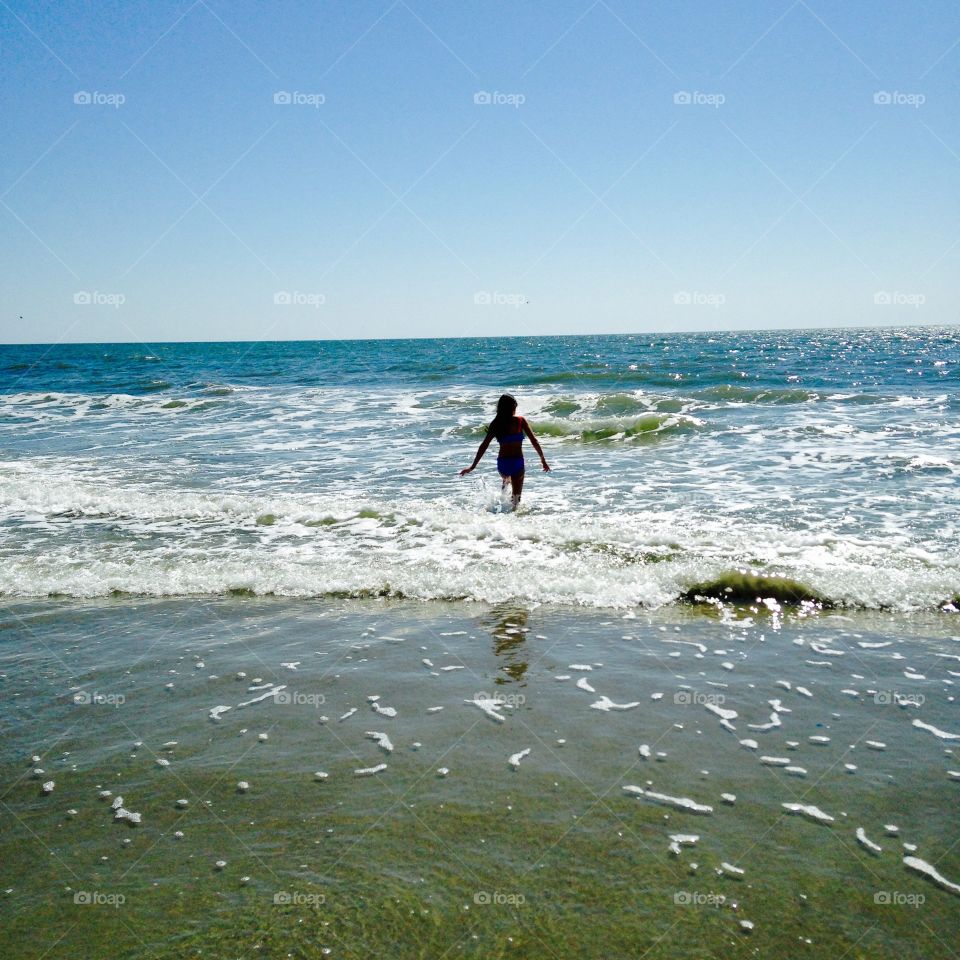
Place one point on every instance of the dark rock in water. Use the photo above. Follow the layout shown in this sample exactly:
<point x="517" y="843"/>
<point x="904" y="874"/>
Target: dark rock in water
<point x="951" y="605"/>
<point x="739" y="587"/>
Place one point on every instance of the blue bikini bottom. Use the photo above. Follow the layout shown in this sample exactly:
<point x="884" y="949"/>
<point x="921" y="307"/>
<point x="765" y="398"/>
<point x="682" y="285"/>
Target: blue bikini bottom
<point x="509" y="466"/>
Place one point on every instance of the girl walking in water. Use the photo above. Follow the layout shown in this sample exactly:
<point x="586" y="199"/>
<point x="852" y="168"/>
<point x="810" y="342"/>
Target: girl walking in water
<point x="509" y="430"/>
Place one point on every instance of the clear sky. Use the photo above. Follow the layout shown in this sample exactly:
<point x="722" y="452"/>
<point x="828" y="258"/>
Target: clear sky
<point x="807" y="176"/>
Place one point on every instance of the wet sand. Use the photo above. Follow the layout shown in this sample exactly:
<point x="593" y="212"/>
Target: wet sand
<point x="455" y="779"/>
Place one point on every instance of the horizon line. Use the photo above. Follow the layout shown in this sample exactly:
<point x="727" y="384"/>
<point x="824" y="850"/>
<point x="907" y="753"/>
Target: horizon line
<point x="505" y="336"/>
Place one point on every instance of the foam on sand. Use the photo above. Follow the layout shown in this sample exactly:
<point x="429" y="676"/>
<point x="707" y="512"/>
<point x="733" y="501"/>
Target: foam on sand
<point x="383" y="741"/>
<point x="867" y="842"/>
<point x="772" y="725"/>
<point x="809" y="810"/>
<point x="680" y="803"/>
<point x="930" y="872"/>
<point x="272" y="692"/>
<point x="490" y="707"/>
<point x="370" y="771"/>
<point x="606" y="704"/>
<point x="678" y="840"/>
<point x="725" y="715"/>
<point x="942" y="734"/>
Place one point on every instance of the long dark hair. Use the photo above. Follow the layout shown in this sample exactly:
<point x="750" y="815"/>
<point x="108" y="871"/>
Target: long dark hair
<point x="501" y="423"/>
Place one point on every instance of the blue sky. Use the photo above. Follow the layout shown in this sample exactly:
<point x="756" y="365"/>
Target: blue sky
<point x="383" y="200"/>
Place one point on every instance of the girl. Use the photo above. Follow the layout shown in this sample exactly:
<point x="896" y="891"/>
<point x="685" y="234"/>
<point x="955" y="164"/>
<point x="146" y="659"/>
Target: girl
<point x="509" y="430"/>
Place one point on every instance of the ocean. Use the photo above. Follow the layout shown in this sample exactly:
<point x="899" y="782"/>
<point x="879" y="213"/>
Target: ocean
<point x="277" y="682"/>
<point x="319" y="469"/>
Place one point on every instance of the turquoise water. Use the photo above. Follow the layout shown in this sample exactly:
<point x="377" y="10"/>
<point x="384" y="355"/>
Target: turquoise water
<point x="330" y="468"/>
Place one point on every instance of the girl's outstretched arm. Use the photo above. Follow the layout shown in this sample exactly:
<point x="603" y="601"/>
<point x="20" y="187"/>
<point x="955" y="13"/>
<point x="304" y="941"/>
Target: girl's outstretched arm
<point x="480" y="452"/>
<point x="535" y="443"/>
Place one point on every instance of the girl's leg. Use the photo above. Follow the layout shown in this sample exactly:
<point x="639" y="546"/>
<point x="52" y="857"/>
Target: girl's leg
<point x="516" y="481"/>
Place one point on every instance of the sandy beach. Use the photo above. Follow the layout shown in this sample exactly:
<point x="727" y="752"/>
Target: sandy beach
<point x="247" y="776"/>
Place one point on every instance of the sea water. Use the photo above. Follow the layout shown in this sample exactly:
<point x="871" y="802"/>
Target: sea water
<point x="330" y="468"/>
<point x="277" y="682"/>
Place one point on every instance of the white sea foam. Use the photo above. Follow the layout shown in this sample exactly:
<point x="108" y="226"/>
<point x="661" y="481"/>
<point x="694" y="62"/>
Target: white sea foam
<point x="383" y="741"/>
<point x="808" y="810"/>
<point x="723" y="713"/>
<point x="929" y="871"/>
<point x="940" y="734"/>
<point x="867" y="842"/>
<point x="772" y="725"/>
<point x="272" y="692"/>
<point x="606" y="704"/>
<point x="370" y="771"/>
<point x="680" y="803"/>
<point x="490" y="707"/>
<point x="315" y="543"/>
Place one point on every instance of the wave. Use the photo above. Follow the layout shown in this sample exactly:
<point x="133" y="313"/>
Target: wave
<point x="650" y="426"/>
<point x="57" y="406"/>
<point x="738" y="586"/>
<point x="739" y="393"/>
<point x="85" y="533"/>
<point x="644" y="428"/>
<point x="262" y="574"/>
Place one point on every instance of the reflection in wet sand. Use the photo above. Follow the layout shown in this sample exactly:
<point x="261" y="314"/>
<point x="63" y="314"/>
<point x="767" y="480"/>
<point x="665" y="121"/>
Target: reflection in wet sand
<point x="508" y="626"/>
